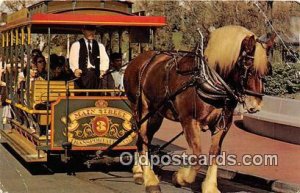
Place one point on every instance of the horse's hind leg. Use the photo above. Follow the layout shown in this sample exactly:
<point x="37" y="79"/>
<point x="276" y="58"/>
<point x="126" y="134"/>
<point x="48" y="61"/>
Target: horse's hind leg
<point x="151" y="181"/>
<point x="209" y="184"/>
<point x="187" y="174"/>
<point x="137" y="168"/>
<point x="153" y="125"/>
<point x="137" y="173"/>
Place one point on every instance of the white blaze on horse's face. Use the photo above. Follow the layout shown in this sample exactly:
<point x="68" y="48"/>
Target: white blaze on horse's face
<point x="255" y="84"/>
<point x="252" y="104"/>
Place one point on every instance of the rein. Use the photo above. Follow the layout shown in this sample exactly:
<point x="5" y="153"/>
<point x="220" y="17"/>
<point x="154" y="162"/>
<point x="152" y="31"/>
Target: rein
<point x="249" y="92"/>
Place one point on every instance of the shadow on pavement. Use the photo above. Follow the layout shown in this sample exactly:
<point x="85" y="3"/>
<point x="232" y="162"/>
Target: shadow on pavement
<point x="239" y="124"/>
<point x="55" y="165"/>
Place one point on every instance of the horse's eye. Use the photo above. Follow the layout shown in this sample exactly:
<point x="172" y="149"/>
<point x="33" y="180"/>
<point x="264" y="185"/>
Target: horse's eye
<point x="249" y="63"/>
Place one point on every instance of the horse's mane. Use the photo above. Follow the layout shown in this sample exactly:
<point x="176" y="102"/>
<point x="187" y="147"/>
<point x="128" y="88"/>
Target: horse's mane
<point x="224" y="47"/>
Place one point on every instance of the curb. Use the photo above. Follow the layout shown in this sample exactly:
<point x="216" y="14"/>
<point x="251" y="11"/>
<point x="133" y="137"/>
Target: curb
<point x="257" y="181"/>
<point x="249" y="180"/>
<point x="278" y="119"/>
<point x="279" y="186"/>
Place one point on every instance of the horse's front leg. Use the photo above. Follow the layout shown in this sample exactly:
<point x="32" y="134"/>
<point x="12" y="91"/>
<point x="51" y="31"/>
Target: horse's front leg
<point x="209" y="184"/>
<point x="187" y="174"/>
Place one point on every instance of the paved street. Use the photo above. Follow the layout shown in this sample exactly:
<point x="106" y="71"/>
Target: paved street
<point x="19" y="177"/>
<point x="16" y="176"/>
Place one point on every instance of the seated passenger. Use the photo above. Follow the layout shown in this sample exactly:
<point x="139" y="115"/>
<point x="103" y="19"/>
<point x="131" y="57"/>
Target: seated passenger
<point x="117" y="70"/>
<point x="58" y="69"/>
<point x="34" y="53"/>
<point x="68" y="69"/>
<point x="39" y="63"/>
<point x="68" y="74"/>
<point x="113" y="79"/>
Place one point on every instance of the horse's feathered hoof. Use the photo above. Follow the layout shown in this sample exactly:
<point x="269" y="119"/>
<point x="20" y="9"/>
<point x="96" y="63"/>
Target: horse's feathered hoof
<point x="210" y="187"/>
<point x="212" y="191"/>
<point x="178" y="181"/>
<point x="139" y="180"/>
<point x="174" y="180"/>
<point x="153" y="189"/>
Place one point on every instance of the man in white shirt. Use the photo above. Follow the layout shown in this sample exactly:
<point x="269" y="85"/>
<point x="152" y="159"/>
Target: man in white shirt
<point x="88" y="59"/>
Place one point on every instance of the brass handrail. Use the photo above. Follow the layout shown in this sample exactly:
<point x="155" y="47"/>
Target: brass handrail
<point x="26" y="109"/>
<point x="88" y="90"/>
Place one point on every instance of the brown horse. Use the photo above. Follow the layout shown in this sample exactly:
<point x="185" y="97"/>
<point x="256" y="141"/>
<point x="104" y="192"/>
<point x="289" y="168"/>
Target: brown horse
<point x="202" y="99"/>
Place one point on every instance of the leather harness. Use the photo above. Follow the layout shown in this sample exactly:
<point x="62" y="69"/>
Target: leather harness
<point x="207" y="82"/>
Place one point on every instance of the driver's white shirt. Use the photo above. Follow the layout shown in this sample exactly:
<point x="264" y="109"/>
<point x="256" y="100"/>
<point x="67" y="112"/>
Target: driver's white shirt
<point x="74" y="56"/>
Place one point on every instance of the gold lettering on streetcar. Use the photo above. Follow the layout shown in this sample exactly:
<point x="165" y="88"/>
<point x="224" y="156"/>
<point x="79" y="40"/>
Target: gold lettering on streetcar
<point x="104" y="126"/>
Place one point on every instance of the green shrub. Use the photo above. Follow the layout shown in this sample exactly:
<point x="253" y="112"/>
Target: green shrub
<point x="284" y="80"/>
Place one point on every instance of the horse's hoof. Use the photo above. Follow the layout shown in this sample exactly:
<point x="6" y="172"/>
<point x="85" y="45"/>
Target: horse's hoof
<point x="153" y="189"/>
<point x="212" y="191"/>
<point x="174" y="180"/>
<point x="178" y="181"/>
<point x="210" y="188"/>
<point x="139" y="180"/>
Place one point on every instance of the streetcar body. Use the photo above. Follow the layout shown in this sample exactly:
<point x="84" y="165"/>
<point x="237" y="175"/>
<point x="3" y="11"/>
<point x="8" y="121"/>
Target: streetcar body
<point x="93" y="122"/>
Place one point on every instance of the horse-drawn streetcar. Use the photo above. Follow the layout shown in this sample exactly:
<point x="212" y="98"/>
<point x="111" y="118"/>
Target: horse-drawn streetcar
<point x="39" y="108"/>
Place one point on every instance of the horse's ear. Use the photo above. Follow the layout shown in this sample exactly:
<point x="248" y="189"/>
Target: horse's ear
<point x="271" y="41"/>
<point x="248" y="44"/>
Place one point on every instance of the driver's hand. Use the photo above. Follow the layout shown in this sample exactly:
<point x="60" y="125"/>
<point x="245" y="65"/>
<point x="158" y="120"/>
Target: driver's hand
<point x="77" y="73"/>
<point x="102" y="72"/>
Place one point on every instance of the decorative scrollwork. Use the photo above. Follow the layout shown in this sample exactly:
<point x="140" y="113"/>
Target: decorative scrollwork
<point x="87" y="130"/>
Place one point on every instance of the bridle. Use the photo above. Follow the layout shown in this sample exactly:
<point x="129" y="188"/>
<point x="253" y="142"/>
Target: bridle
<point x="246" y="68"/>
<point x="246" y="71"/>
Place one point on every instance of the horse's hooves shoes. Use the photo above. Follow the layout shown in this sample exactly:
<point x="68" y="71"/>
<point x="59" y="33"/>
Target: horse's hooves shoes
<point x="174" y="180"/>
<point x="139" y="180"/>
<point x="153" y="189"/>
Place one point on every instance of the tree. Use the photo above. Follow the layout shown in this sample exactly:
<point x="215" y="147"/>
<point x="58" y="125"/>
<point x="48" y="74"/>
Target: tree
<point x="16" y="5"/>
<point x="186" y="16"/>
<point x="13" y="6"/>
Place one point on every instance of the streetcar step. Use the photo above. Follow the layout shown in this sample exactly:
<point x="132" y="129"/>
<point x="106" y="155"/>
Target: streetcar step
<point x="23" y="147"/>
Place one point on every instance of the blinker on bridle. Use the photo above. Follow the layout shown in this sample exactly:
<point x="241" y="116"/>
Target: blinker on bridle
<point x="243" y="61"/>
